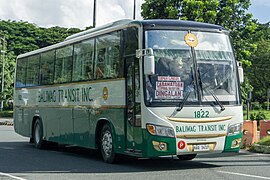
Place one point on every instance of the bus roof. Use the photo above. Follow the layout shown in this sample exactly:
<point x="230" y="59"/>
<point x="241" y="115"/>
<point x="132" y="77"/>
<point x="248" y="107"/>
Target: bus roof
<point x="150" y="24"/>
<point x="179" y="23"/>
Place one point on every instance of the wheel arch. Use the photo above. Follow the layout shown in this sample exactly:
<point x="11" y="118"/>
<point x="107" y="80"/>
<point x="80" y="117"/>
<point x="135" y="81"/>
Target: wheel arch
<point x="100" y="123"/>
<point x="35" y="118"/>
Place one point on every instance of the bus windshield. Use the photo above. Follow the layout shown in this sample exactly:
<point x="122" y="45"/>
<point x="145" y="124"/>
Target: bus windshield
<point x="177" y="57"/>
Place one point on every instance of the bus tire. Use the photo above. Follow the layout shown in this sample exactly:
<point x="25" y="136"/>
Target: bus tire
<point x="106" y="144"/>
<point x="186" y="157"/>
<point x="38" y="134"/>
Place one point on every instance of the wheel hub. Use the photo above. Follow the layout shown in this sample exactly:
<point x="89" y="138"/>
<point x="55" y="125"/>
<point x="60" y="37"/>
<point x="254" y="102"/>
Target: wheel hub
<point x="37" y="133"/>
<point x="107" y="143"/>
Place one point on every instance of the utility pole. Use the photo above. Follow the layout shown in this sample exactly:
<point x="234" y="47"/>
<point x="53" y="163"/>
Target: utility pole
<point x="134" y="10"/>
<point x="94" y="13"/>
<point x="3" y="45"/>
<point x="268" y="96"/>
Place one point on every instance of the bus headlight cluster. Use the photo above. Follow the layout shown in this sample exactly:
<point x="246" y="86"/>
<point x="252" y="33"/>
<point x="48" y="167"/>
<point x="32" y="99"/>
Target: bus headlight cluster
<point x="234" y="129"/>
<point x="160" y="130"/>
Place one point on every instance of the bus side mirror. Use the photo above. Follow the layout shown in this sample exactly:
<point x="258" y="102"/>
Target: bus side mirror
<point x="149" y="60"/>
<point x="240" y="72"/>
<point x="149" y="65"/>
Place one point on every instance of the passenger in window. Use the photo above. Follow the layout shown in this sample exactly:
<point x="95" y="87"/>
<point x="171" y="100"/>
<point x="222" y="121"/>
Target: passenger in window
<point x="99" y="73"/>
<point x="170" y="67"/>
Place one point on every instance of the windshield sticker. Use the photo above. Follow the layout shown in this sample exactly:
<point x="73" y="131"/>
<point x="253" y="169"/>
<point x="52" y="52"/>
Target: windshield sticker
<point x="169" y="78"/>
<point x="191" y="40"/>
<point x="169" y="87"/>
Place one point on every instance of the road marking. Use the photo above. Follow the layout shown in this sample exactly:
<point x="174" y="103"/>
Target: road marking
<point x="247" y="175"/>
<point x="9" y="175"/>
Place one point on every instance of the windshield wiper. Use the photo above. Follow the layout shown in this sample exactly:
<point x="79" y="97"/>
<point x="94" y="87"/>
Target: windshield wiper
<point x="200" y="81"/>
<point x="222" y="108"/>
<point x="190" y="88"/>
<point x="181" y="104"/>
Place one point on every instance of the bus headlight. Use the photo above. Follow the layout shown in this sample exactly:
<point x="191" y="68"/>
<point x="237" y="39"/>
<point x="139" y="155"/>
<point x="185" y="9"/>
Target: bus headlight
<point x="234" y="129"/>
<point x="160" y="130"/>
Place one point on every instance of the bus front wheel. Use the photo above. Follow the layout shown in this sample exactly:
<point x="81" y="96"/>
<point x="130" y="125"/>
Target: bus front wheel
<point x="38" y="134"/>
<point x="106" y="144"/>
<point x="186" y="157"/>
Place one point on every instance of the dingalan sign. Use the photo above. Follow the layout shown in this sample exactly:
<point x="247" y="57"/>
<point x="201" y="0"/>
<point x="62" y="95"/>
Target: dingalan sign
<point x="169" y="88"/>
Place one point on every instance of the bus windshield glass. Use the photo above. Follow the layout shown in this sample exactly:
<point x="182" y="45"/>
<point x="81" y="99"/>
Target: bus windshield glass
<point x="177" y="55"/>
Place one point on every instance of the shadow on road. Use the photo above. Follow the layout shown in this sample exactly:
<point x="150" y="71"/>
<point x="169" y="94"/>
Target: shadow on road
<point x="22" y="157"/>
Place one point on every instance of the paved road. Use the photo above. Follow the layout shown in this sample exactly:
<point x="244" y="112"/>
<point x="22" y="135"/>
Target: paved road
<point x="20" y="160"/>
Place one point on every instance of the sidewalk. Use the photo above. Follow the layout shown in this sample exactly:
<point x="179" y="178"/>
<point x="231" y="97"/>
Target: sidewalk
<point x="6" y="121"/>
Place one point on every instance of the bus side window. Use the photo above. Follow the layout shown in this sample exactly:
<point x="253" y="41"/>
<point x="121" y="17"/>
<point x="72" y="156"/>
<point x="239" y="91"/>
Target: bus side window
<point x="113" y="62"/>
<point x="32" y="73"/>
<point x="63" y="64"/>
<point x="47" y="67"/>
<point x="83" y="61"/>
<point x="21" y="72"/>
<point x="108" y="62"/>
<point x="100" y="64"/>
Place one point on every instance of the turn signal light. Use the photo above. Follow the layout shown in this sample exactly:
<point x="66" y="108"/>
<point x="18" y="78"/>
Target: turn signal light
<point x="151" y="129"/>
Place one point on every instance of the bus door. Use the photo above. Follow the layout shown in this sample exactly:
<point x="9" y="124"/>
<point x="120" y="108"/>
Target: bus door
<point x="133" y="110"/>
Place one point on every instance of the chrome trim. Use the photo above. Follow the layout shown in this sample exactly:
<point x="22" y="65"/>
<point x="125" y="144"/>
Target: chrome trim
<point x="195" y="136"/>
<point x="202" y="120"/>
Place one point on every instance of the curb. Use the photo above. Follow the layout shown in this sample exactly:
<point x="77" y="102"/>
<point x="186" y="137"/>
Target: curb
<point x="262" y="148"/>
<point x="6" y="123"/>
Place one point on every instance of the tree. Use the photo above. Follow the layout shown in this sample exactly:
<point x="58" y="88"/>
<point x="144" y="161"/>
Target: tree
<point x="160" y="9"/>
<point x="258" y="72"/>
<point x="23" y="37"/>
<point x="231" y="14"/>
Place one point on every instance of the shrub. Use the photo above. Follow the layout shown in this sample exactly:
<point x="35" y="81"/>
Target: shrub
<point x="264" y="106"/>
<point x="265" y="141"/>
<point x="256" y="106"/>
<point x="258" y="116"/>
<point x="6" y="114"/>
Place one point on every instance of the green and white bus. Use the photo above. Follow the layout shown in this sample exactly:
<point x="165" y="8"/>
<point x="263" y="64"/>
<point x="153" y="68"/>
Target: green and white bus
<point x="142" y="88"/>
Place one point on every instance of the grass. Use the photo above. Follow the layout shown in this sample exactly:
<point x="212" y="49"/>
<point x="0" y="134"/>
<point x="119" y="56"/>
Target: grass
<point x="265" y="141"/>
<point x="6" y="114"/>
<point x="267" y="113"/>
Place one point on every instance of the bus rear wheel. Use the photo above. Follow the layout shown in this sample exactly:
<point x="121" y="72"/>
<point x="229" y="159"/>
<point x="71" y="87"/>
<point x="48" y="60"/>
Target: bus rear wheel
<point x="38" y="134"/>
<point x="186" y="157"/>
<point x="106" y="144"/>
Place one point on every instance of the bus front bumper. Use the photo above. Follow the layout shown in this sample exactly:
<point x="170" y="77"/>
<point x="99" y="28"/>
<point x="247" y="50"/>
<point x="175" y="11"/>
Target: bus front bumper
<point x="155" y="146"/>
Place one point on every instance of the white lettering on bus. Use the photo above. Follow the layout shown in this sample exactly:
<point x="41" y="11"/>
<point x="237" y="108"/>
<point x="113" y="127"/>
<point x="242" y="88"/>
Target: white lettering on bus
<point x="47" y="96"/>
<point x="65" y="95"/>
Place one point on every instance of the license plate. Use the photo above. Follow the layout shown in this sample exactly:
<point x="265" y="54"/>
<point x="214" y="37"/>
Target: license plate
<point x="201" y="147"/>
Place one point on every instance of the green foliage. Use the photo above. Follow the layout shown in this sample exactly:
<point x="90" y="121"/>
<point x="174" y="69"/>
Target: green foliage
<point x="265" y="105"/>
<point x="6" y="114"/>
<point x="245" y="88"/>
<point x="265" y="141"/>
<point x="258" y="73"/>
<point x="231" y="14"/>
<point x="251" y="40"/>
<point x="200" y="10"/>
<point x="267" y="114"/>
<point x="160" y="9"/>
<point x="22" y="37"/>
<point x="256" y="106"/>
<point x="258" y="116"/>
